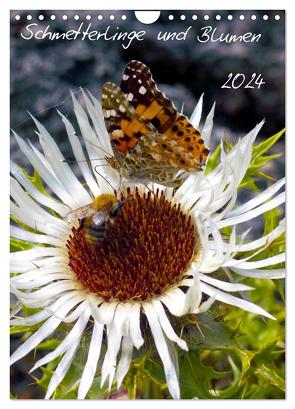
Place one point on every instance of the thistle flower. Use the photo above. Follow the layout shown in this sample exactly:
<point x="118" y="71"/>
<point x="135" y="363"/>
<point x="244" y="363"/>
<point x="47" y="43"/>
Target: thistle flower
<point x="158" y="261"/>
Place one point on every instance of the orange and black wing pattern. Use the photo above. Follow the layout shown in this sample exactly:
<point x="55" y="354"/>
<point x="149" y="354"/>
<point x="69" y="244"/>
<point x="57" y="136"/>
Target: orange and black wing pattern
<point x="138" y="109"/>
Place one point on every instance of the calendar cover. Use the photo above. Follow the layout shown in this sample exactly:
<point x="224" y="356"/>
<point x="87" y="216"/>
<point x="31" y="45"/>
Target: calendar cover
<point x="147" y="204"/>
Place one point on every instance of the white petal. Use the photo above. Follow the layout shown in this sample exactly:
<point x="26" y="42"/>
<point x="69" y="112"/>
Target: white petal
<point x="134" y="326"/>
<point x="61" y="169"/>
<point x="32" y="319"/>
<point x="107" y="311"/>
<point x="62" y="369"/>
<point x="25" y="235"/>
<point x="193" y="294"/>
<point x="95" y="112"/>
<point x="251" y="214"/>
<point x="207" y="129"/>
<point x="197" y="113"/>
<point x="73" y="315"/>
<point x="46" y="329"/>
<point x="35" y="193"/>
<point x="223" y="285"/>
<point x="20" y="266"/>
<point x="110" y="360"/>
<point x="40" y="165"/>
<point x="93" y="148"/>
<point x="30" y="254"/>
<point x="35" y="222"/>
<point x="258" y="199"/>
<point x="262" y="241"/>
<point x="161" y="345"/>
<point x="166" y="326"/>
<point x="204" y="306"/>
<point x="45" y="313"/>
<point x="244" y="146"/>
<point x="174" y="301"/>
<point x="45" y="292"/>
<point x="39" y="282"/>
<point x="271" y="274"/>
<point x="115" y="332"/>
<point x="36" y="272"/>
<point x="73" y="336"/>
<point x="25" y="201"/>
<point x="270" y="261"/>
<point x="80" y="157"/>
<point x="92" y="359"/>
<point x="230" y="299"/>
<point x="125" y="359"/>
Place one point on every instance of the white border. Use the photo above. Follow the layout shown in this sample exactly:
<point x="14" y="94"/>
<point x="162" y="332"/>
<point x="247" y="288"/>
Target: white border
<point x="4" y="171"/>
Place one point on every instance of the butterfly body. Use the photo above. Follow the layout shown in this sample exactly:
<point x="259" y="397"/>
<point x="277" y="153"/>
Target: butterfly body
<point x="96" y="217"/>
<point x="151" y="141"/>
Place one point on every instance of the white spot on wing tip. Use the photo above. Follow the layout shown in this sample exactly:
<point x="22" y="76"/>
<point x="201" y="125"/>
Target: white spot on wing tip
<point x="142" y="90"/>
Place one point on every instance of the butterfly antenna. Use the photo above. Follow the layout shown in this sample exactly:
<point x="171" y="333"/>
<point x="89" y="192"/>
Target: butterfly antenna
<point x="104" y="178"/>
<point x="98" y="147"/>
<point x="81" y="160"/>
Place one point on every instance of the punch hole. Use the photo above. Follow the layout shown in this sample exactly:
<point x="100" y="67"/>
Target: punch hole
<point x="147" y="16"/>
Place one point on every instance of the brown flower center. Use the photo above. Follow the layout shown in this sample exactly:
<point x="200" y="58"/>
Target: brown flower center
<point x="143" y="252"/>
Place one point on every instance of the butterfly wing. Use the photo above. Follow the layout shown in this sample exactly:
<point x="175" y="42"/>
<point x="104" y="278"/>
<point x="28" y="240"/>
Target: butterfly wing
<point x="146" y="98"/>
<point x="138" y="112"/>
<point x="181" y="142"/>
<point x="124" y="125"/>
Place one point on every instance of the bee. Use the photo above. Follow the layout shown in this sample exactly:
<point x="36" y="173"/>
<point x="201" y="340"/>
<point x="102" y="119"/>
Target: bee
<point x="97" y="216"/>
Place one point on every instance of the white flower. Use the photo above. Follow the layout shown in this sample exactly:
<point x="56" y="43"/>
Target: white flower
<point x="57" y="275"/>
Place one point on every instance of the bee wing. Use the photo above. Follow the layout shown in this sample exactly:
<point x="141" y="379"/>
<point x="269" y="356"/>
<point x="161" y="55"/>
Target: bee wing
<point x="101" y="215"/>
<point x="80" y="213"/>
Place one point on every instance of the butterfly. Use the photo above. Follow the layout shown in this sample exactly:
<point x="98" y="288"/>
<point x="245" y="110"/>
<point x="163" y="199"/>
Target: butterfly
<point x="151" y="141"/>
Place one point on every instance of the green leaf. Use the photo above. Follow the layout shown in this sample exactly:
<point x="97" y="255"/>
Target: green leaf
<point x="271" y="376"/>
<point x="213" y="160"/>
<point x="259" y="160"/>
<point x="264" y="146"/>
<point x="19" y="245"/>
<point x="203" y="331"/>
<point x="196" y="378"/>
